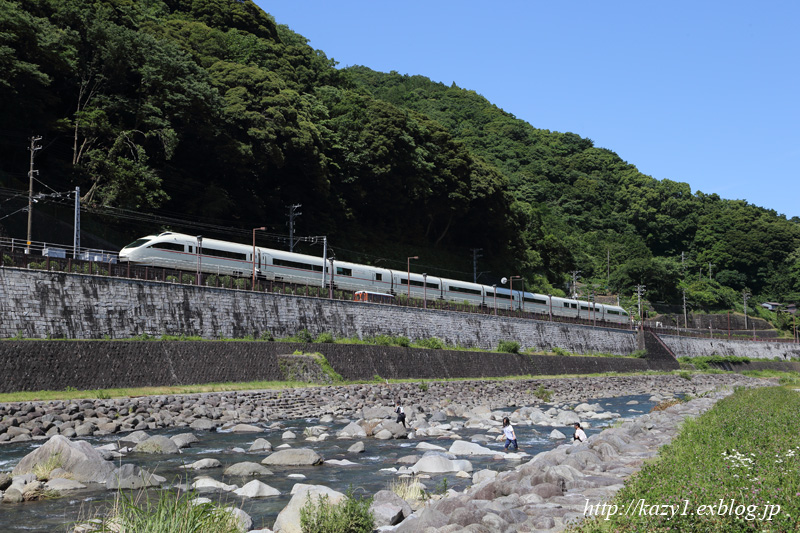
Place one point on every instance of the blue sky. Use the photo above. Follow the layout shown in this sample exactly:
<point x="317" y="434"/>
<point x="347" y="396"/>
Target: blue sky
<point x="699" y="92"/>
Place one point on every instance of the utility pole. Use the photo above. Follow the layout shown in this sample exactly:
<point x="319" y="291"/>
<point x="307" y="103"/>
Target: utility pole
<point x="575" y="284"/>
<point x="710" y="264"/>
<point x="475" y="256"/>
<point x="608" y="268"/>
<point x="292" y="208"/>
<point x="745" y="296"/>
<point x="33" y="148"/>
<point x="76" y="239"/>
<point x="685" y="319"/>
<point x="639" y="293"/>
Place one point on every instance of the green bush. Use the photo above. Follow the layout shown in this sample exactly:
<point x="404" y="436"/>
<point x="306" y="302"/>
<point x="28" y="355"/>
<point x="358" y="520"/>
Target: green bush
<point x="324" y="338"/>
<point x="559" y="351"/>
<point x="267" y="336"/>
<point x="544" y="394"/>
<point x="302" y="336"/>
<point x="351" y="515"/>
<point x="382" y="340"/>
<point x="168" y="512"/>
<point x="403" y="342"/>
<point x="431" y="343"/>
<point x="508" y="347"/>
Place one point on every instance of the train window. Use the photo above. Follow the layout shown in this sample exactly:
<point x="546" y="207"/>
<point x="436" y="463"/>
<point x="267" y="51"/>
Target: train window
<point x="584" y="307"/>
<point x="574" y="306"/>
<point x="340" y="271"/>
<point x="137" y="243"/>
<point x="174" y="246"/>
<point x="415" y="283"/>
<point x="213" y="252"/>
<point x="378" y="277"/>
<point x="536" y="301"/>
<point x="612" y="312"/>
<point x="454" y="288"/>
<point x="566" y="304"/>
<point x="296" y="264"/>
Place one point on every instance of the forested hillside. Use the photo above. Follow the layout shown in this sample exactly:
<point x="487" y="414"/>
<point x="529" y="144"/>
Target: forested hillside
<point x="209" y="110"/>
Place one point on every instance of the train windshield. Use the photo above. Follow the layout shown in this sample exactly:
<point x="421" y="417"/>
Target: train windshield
<point x="136" y="243"/>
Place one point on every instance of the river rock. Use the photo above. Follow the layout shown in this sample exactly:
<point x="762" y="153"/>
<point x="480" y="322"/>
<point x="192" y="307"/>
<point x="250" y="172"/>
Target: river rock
<point x="293" y="457"/>
<point x="158" y="444"/>
<point x="184" y="440"/>
<point x="204" y="482"/>
<point x="244" y="520"/>
<point x="246" y="469"/>
<point x="260" y="445"/>
<point x="246" y="428"/>
<point x="351" y="431"/>
<point x="288" y="520"/>
<point x="130" y="476"/>
<point x="203" y="424"/>
<point x="83" y="462"/>
<point x="557" y="435"/>
<point x="461" y="447"/>
<point x="257" y="489"/>
<point x="202" y="464"/>
<point x="132" y="439"/>
<point x="63" y="485"/>
<point x="438" y="464"/>
<point x="358" y="447"/>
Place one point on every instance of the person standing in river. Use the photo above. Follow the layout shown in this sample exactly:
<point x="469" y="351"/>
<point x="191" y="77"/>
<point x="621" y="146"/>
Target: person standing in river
<point x="511" y="436"/>
<point x="401" y="413"/>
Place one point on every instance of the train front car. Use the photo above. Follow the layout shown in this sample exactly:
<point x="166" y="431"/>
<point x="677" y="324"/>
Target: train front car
<point x="168" y="250"/>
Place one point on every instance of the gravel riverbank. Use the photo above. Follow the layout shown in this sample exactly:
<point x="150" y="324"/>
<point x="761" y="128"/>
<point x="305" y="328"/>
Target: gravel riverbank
<point x="21" y="421"/>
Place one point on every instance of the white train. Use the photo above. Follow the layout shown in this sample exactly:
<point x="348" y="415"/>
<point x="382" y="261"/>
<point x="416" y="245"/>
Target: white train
<point x="181" y="252"/>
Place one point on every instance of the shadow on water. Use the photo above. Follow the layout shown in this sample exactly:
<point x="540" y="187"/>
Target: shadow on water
<point x="365" y="477"/>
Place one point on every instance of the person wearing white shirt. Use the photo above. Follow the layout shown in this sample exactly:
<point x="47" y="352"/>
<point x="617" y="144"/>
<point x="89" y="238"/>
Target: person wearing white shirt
<point x="511" y="437"/>
<point x="580" y="435"/>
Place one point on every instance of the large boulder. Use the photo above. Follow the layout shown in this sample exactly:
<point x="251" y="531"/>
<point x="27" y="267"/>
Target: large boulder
<point x="246" y="428"/>
<point x="294" y="457"/>
<point x="184" y="440"/>
<point x="208" y="462"/>
<point x="438" y="464"/>
<point x="247" y="469"/>
<point x="461" y="447"/>
<point x="132" y="439"/>
<point x="260" y="445"/>
<point x="389" y="509"/>
<point x="158" y="444"/>
<point x="130" y="476"/>
<point x="351" y="431"/>
<point x="288" y="520"/>
<point x="257" y="489"/>
<point x="78" y="458"/>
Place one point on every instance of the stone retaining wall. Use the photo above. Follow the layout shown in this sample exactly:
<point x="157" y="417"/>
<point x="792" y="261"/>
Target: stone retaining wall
<point x="42" y="304"/>
<point x="56" y="365"/>
<point x="694" y="347"/>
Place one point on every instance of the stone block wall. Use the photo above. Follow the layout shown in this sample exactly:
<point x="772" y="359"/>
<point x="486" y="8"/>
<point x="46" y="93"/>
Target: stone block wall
<point x="694" y="347"/>
<point x="86" y="365"/>
<point x="41" y="304"/>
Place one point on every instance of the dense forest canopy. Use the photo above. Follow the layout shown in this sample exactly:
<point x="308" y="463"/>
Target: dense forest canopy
<point x="211" y="110"/>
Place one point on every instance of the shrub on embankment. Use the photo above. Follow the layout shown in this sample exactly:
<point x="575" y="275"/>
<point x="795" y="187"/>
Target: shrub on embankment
<point x="743" y="452"/>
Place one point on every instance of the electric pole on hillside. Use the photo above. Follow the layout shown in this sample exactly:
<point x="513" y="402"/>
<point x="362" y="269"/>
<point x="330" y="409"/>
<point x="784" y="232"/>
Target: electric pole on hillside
<point x="292" y="213"/>
<point x="745" y="297"/>
<point x="639" y="293"/>
<point x="575" y="283"/>
<point x="475" y="257"/>
<point x="33" y="148"/>
<point x="710" y="264"/>
<point x="685" y="320"/>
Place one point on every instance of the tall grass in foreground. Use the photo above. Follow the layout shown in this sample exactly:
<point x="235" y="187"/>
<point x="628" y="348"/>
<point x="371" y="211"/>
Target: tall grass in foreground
<point x="166" y="512"/>
<point x="351" y="515"/>
<point x="744" y="450"/>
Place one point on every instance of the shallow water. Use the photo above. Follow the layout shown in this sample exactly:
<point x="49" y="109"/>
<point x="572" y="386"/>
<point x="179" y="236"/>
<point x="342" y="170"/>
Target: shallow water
<point x="364" y="478"/>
